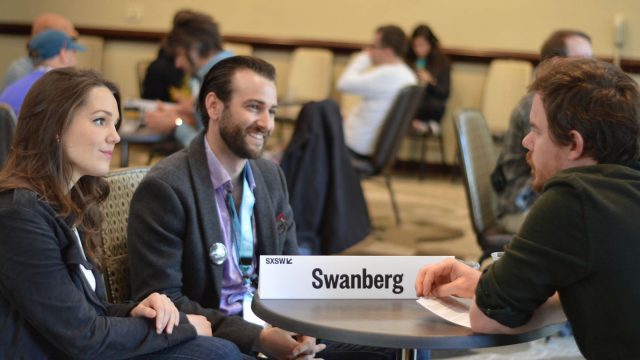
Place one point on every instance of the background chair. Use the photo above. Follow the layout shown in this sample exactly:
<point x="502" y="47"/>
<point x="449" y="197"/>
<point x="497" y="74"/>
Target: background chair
<point x="7" y="129"/>
<point x="310" y="79"/>
<point x="123" y="183"/>
<point x="325" y="192"/>
<point x="505" y="85"/>
<point x="94" y="56"/>
<point x="477" y="158"/>
<point x="421" y="139"/>
<point x="394" y="128"/>
<point x="141" y="72"/>
<point x="238" y="49"/>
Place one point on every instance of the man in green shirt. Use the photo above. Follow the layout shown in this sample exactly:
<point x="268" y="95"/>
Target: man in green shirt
<point x="576" y="253"/>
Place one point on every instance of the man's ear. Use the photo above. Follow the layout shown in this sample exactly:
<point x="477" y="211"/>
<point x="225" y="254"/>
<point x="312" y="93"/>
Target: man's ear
<point x="577" y="145"/>
<point x="64" y="55"/>
<point x="213" y="105"/>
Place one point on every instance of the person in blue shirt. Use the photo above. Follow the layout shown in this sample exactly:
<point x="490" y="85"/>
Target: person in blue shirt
<point x="24" y="65"/>
<point x="50" y="49"/>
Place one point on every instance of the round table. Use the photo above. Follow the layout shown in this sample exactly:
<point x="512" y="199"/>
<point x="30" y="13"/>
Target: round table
<point x="397" y="323"/>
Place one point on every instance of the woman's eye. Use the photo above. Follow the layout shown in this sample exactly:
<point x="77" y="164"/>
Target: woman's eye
<point x="100" y="121"/>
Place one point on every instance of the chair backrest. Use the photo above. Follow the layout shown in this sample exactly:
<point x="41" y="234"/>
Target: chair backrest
<point x="477" y="158"/>
<point x="93" y="57"/>
<point x="122" y="183"/>
<point x="395" y="126"/>
<point x="310" y="75"/>
<point x="7" y="129"/>
<point x="505" y="85"/>
<point x="238" y="49"/>
<point x="141" y="72"/>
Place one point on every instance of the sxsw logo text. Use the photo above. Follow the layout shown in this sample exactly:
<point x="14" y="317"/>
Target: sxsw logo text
<point x="276" y="261"/>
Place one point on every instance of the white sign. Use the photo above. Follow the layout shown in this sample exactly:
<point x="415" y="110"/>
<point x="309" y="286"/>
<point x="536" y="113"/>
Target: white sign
<point x="340" y="277"/>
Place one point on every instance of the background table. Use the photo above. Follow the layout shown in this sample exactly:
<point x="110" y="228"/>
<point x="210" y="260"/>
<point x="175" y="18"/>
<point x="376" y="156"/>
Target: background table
<point x="132" y="133"/>
<point x="388" y="323"/>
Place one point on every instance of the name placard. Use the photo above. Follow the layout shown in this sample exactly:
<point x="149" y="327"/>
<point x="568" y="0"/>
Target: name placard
<point x="340" y="277"/>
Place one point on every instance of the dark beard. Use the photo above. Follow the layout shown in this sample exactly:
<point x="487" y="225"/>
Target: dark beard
<point x="234" y="136"/>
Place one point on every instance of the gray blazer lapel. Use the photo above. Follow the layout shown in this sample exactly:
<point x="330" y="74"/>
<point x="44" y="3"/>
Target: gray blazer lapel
<point x="204" y="198"/>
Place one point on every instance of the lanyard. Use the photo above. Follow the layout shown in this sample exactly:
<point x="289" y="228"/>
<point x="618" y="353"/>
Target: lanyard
<point x="242" y="229"/>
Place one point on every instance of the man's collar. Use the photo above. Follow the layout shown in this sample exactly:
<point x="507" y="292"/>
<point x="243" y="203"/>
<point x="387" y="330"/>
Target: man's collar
<point x="219" y="175"/>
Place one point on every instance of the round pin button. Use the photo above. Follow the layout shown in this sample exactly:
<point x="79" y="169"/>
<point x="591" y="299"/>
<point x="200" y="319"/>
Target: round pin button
<point x="218" y="253"/>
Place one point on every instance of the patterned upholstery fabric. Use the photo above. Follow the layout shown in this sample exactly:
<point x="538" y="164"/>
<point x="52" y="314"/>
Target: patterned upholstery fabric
<point x="122" y="183"/>
<point x="7" y="129"/>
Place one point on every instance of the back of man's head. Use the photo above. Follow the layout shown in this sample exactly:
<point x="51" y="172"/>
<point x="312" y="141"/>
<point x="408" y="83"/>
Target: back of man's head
<point x="51" y="21"/>
<point x="557" y="44"/>
<point x="391" y="36"/>
<point x="193" y="30"/>
<point x="596" y="99"/>
<point x="219" y="80"/>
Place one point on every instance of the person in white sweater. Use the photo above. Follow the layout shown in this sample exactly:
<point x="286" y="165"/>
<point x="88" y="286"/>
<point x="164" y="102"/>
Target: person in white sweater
<point x="376" y="74"/>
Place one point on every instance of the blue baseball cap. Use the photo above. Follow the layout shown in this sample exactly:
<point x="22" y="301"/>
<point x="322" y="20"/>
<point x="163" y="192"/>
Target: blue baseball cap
<point x="48" y="44"/>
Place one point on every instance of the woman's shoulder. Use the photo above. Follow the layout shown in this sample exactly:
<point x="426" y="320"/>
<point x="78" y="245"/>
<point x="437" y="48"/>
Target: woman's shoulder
<point x="22" y="199"/>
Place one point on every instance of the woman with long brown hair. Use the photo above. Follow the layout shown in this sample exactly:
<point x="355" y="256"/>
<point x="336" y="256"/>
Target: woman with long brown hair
<point x="433" y="69"/>
<point x="51" y="293"/>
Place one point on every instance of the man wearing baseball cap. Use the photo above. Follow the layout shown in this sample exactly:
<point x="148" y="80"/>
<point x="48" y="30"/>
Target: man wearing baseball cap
<point x="24" y="65"/>
<point x="50" y="49"/>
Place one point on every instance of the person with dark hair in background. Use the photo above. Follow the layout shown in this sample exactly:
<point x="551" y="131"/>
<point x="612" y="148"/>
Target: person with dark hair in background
<point x="433" y="68"/>
<point x="196" y="44"/>
<point x="576" y="251"/>
<point x="511" y="179"/>
<point x="377" y="74"/>
<point x="162" y="78"/>
<point x="52" y="297"/>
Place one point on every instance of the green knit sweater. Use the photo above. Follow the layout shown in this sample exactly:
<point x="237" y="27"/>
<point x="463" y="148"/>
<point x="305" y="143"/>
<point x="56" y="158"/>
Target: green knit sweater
<point x="582" y="239"/>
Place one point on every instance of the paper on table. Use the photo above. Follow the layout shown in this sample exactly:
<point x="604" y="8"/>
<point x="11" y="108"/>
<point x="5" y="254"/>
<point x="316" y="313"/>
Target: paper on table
<point x="448" y="308"/>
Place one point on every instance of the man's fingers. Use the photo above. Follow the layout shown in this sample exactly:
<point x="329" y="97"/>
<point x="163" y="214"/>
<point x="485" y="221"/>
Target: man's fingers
<point x="431" y="276"/>
<point x="448" y="289"/>
<point x="306" y="346"/>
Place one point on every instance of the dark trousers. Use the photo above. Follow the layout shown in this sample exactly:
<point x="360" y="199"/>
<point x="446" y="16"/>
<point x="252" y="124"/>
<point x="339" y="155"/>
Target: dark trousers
<point x="342" y="351"/>
<point x="200" y="348"/>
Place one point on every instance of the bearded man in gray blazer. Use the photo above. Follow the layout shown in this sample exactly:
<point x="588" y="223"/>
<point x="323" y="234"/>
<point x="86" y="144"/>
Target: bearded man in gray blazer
<point x="201" y="217"/>
<point x="180" y="241"/>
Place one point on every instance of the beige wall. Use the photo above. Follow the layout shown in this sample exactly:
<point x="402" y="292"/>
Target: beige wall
<point x="517" y="25"/>
<point x="483" y="24"/>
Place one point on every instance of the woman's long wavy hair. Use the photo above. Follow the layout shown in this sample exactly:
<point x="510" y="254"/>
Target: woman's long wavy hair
<point x="37" y="161"/>
<point x="436" y="60"/>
